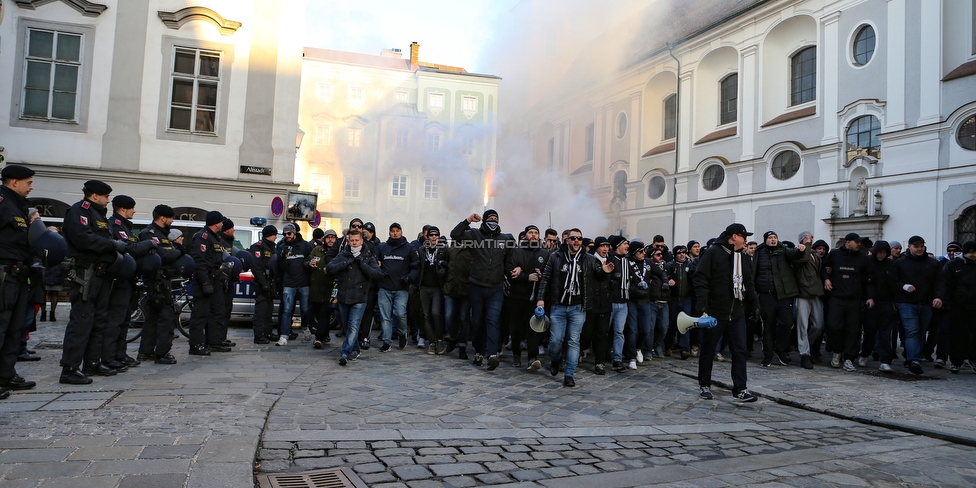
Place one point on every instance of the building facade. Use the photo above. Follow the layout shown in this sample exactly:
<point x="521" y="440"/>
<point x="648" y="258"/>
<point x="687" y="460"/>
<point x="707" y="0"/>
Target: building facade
<point x="786" y="115"/>
<point x="191" y="104"/>
<point x="390" y="139"/>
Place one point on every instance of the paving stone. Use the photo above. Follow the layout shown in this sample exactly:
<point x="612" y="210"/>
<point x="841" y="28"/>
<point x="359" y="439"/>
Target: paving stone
<point x="373" y="479"/>
<point x="169" y="452"/>
<point x="478" y="458"/>
<point x="528" y="475"/>
<point x="411" y="472"/>
<point x="457" y="469"/>
<point x="501" y="466"/>
<point x="370" y="468"/>
<point x="153" y="481"/>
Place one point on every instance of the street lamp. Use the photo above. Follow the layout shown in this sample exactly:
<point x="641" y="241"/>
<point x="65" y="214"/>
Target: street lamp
<point x="298" y="138"/>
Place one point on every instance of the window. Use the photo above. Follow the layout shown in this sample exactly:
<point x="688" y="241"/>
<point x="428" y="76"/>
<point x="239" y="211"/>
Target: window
<point x="193" y="103"/>
<point x="621" y="125"/>
<point x="401" y="97"/>
<point x="967" y="134"/>
<point x="354" y="136"/>
<point x="620" y="186"/>
<point x="323" y="135"/>
<point x="864" y="42"/>
<point x="402" y="138"/>
<point x="589" y="143"/>
<point x="469" y="104"/>
<point x="351" y="187"/>
<point x="713" y="177"/>
<point x="966" y="225"/>
<point x="785" y="165"/>
<point x="52" y="75"/>
<point x="656" y="187"/>
<point x="467" y="146"/>
<point x="728" y="112"/>
<point x="862" y="137"/>
<point x="321" y="184"/>
<point x="551" y="155"/>
<point x="670" y="117"/>
<point x="433" y="142"/>
<point x="803" y="76"/>
<point x="355" y="94"/>
<point x="323" y="91"/>
<point x="399" y="185"/>
<point x="430" y="188"/>
<point x="435" y="100"/>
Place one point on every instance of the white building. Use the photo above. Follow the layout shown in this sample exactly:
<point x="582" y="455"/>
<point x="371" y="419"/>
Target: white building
<point x="192" y="104"/>
<point x="761" y="111"/>
<point x="395" y="140"/>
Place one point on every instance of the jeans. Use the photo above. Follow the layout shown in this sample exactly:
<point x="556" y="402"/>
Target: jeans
<point x="288" y="297"/>
<point x="393" y="305"/>
<point x="915" y="318"/>
<point x="683" y="341"/>
<point x="566" y="321"/>
<point x="618" y="320"/>
<point x="457" y="312"/>
<point x="486" y="309"/>
<point x="350" y="317"/>
<point x="639" y="321"/>
<point x="659" y="324"/>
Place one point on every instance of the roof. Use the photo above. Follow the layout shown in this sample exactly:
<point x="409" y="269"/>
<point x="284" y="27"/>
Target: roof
<point x="358" y="59"/>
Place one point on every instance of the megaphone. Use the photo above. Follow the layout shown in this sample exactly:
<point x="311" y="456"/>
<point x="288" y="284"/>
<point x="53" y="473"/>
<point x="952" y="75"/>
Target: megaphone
<point x="687" y="322"/>
<point x="539" y="322"/>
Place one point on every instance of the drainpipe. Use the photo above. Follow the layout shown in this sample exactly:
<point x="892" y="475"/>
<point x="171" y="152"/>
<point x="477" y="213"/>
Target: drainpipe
<point x="677" y="134"/>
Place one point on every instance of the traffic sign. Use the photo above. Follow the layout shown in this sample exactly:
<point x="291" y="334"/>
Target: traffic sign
<point x="317" y="220"/>
<point x="277" y="207"/>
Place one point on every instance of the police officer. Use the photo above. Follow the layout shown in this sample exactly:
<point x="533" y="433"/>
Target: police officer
<point x="226" y="236"/>
<point x="93" y="250"/>
<point x="15" y="257"/>
<point x="120" y="304"/>
<point x="157" y="330"/>
<point x="264" y="286"/>
<point x="208" y="295"/>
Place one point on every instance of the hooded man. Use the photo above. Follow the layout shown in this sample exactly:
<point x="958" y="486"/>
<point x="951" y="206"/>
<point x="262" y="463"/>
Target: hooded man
<point x="490" y="249"/>
<point x="293" y="255"/>
<point x="399" y="264"/>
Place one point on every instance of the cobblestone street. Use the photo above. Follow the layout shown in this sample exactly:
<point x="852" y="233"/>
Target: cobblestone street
<point x="405" y="418"/>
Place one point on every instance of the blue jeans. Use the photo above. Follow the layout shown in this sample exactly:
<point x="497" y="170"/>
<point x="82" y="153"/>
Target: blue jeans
<point x="288" y="297"/>
<point x="350" y="317"/>
<point x="639" y="320"/>
<point x="457" y="316"/>
<point x="566" y="321"/>
<point x="659" y="325"/>
<point x="618" y="319"/>
<point x="393" y="305"/>
<point x="486" y="308"/>
<point x="915" y="318"/>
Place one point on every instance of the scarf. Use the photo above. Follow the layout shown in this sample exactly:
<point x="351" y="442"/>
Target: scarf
<point x="429" y="254"/>
<point x="571" y="286"/>
<point x="355" y="251"/>
<point x="738" y="287"/>
<point x="624" y="277"/>
<point x="492" y="226"/>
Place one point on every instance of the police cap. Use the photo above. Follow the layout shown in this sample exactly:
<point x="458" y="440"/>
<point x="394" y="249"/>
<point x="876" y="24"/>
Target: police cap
<point x="16" y="172"/>
<point x="97" y="187"/>
<point x="123" y="201"/>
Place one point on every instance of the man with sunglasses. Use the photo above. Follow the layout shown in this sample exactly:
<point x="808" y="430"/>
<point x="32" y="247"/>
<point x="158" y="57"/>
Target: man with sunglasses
<point x="432" y="270"/>
<point x="293" y="255"/>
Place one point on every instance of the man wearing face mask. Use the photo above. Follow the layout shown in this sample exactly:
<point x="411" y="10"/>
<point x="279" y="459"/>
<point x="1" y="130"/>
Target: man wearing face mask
<point x="490" y="249"/>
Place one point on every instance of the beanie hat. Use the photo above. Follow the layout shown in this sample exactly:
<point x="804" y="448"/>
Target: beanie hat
<point x="587" y="241"/>
<point x="489" y="213"/>
<point x="123" y="201"/>
<point x="269" y="230"/>
<point x="164" y="211"/>
<point x="616" y="241"/>
<point x="710" y="242"/>
<point x="354" y="220"/>
<point x="370" y="227"/>
<point x="852" y="236"/>
<point x="679" y="248"/>
<point x="214" y="217"/>
<point x="953" y="244"/>
<point x="636" y="245"/>
<point x="433" y="229"/>
<point x="821" y="243"/>
<point x="769" y="233"/>
<point x="600" y="240"/>
<point x="692" y="243"/>
<point x="97" y="187"/>
<point x="175" y="234"/>
<point x="228" y="224"/>
<point x="318" y="234"/>
<point x="894" y="244"/>
<point x="530" y="227"/>
<point x="968" y="246"/>
<point x="290" y="227"/>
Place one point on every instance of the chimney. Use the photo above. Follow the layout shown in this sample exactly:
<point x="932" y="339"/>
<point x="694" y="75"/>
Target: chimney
<point x="414" y="54"/>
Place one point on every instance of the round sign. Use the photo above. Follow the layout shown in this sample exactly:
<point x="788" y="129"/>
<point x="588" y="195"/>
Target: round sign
<point x="277" y="207"/>
<point x="317" y="220"/>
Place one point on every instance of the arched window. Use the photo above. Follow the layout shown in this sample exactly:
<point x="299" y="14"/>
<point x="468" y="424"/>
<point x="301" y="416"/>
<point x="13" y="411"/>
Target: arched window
<point x="966" y="137"/>
<point x="730" y="99"/>
<point x="862" y="137"/>
<point x="713" y="177"/>
<point x="803" y="76"/>
<point x="656" y="187"/>
<point x="670" y="117"/>
<point x="785" y="165"/>
<point x="864" y="45"/>
<point x="966" y="225"/>
<point x="620" y="186"/>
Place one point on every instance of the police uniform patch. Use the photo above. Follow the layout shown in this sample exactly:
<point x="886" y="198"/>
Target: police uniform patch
<point x="118" y="222"/>
<point x="257" y="254"/>
<point x="85" y="204"/>
<point x="121" y="233"/>
<point x="204" y="235"/>
<point x="156" y="240"/>
<point x="203" y="248"/>
<point x="84" y="220"/>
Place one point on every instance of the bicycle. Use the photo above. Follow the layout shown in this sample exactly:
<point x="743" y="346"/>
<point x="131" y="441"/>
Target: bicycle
<point x="182" y="306"/>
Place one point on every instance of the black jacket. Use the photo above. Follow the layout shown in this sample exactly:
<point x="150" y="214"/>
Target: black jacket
<point x="551" y="287"/>
<point x="88" y="235"/>
<point x="488" y="249"/>
<point x="529" y="258"/>
<point x="207" y="254"/>
<point x="772" y="268"/>
<point x="655" y="282"/>
<point x="456" y="284"/>
<point x="922" y="272"/>
<point x="884" y="291"/>
<point x="398" y="263"/>
<point x="167" y="251"/>
<point x="354" y="275"/>
<point x="292" y="259"/>
<point x="431" y="266"/>
<point x="850" y="274"/>
<point x="681" y="273"/>
<point x="622" y="266"/>
<point x="121" y="229"/>
<point x="960" y="281"/>
<point x="261" y="268"/>
<point x="713" y="284"/>
<point x="13" y="228"/>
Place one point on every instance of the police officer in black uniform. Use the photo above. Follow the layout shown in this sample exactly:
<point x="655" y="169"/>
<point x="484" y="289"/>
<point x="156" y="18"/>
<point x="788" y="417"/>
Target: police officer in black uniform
<point x="91" y="247"/>
<point x="120" y="304"/>
<point x="208" y="295"/>
<point x="157" y="330"/>
<point x="264" y="284"/>
<point x="15" y="258"/>
<point x="226" y="236"/>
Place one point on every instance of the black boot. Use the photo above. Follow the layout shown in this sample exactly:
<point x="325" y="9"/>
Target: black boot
<point x="43" y="316"/>
<point x="51" y="318"/>
<point x="74" y="376"/>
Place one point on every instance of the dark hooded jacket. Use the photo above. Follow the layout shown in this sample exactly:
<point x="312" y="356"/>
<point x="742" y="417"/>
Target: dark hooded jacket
<point x="489" y="251"/>
<point x="772" y="268"/>
<point x="456" y="284"/>
<point x="529" y="257"/>
<point x="653" y="277"/>
<point x="883" y="289"/>
<point x="292" y="258"/>
<point x="960" y="280"/>
<point x="398" y="263"/>
<point x="713" y="284"/>
<point x="850" y="274"/>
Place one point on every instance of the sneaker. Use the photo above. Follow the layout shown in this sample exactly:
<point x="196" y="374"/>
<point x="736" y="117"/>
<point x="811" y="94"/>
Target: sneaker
<point x="343" y="361"/>
<point x="939" y="364"/>
<point x="685" y="354"/>
<point x="463" y="353"/>
<point x="292" y="336"/>
<point x="478" y="360"/>
<point x="720" y="358"/>
<point x="694" y="351"/>
<point x="282" y="341"/>
<point x="569" y="382"/>
<point x="744" y="396"/>
<point x="357" y="355"/>
<point x="915" y="367"/>
<point x="534" y="365"/>
<point x="385" y="347"/>
<point x="954" y="369"/>
<point x="705" y="393"/>
<point x="885" y="368"/>
<point x="306" y="335"/>
<point x="767" y="360"/>
<point x="318" y="345"/>
<point x="862" y="362"/>
<point x="517" y="363"/>
<point x="805" y="362"/>
<point x="542" y="350"/>
<point x="632" y="364"/>
<point x="849" y="366"/>
<point x="618" y="366"/>
<point x="600" y="370"/>
<point x="421" y="343"/>
<point x="784" y="358"/>
<point x="403" y="341"/>
<point x="640" y="356"/>
<point x="432" y="349"/>
<point x="668" y="352"/>
<point x="835" y="360"/>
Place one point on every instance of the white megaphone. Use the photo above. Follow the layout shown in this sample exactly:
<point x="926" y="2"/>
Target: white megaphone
<point x="687" y="322"/>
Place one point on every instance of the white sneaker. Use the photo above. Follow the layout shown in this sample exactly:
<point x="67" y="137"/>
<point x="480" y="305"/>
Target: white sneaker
<point x="835" y="360"/>
<point x="720" y="358"/>
<point x="640" y="356"/>
<point x="632" y="364"/>
<point x="885" y="368"/>
<point x="282" y="341"/>
<point x="862" y="362"/>
<point x="849" y="366"/>
<point x="306" y="335"/>
<point x="421" y="343"/>
<point x="542" y="350"/>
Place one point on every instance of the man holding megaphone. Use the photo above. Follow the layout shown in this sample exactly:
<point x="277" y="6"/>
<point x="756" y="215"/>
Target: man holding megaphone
<point x="724" y="290"/>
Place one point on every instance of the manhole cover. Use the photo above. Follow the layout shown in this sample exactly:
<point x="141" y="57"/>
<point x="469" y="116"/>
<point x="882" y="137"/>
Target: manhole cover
<point x="49" y="345"/>
<point x="321" y="478"/>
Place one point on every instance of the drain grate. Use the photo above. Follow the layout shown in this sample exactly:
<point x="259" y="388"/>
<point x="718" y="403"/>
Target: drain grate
<point x="320" y="478"/>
